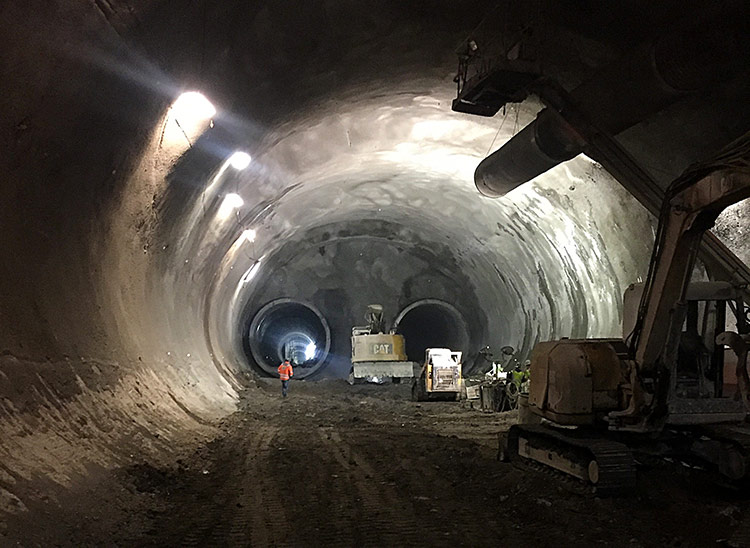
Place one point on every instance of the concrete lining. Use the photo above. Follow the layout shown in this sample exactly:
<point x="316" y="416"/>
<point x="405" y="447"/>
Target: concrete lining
<point x="290" y="318"/>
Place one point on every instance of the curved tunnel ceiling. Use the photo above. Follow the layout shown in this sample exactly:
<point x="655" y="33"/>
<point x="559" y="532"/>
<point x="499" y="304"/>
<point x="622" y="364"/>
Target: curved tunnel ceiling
<point x="135" y="256"/>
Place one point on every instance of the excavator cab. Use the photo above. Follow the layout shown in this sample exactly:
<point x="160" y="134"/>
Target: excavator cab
<point x="704" y="385"/>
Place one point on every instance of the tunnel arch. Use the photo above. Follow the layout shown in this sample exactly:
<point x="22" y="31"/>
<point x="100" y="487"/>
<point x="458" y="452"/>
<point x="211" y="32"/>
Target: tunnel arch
<point x="289" y="329"/>
<point x="431" y="323"/>
<point x="117" y="290"/>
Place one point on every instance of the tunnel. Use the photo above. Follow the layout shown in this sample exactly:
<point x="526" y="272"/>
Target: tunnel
<point x="430" y="323"/>
<point x="289" y="330"/>
<point x="192" y="193"/>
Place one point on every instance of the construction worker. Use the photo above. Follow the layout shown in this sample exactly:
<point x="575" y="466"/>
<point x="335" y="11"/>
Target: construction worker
<point x="519" y="376"/>
<point x="285" y="373"/>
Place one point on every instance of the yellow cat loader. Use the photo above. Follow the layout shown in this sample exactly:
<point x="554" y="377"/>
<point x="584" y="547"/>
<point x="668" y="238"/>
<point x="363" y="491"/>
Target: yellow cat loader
<point x="378" y="356"/>
<point x="440" y="377"/>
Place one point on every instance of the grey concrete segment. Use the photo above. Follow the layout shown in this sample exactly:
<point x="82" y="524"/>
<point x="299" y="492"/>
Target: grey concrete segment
<point x="280" y="322"/>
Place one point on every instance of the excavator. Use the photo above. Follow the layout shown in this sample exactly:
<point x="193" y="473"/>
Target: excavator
<point x="596" y="402"/>
<point x="376" y="355"/>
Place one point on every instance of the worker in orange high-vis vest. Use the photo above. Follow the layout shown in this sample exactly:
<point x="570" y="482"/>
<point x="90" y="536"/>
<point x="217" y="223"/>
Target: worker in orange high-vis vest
<point x="285" y="373"/>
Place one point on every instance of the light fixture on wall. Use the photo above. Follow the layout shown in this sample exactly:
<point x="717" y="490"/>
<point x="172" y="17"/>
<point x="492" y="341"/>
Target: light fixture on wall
<point x="231" y="202"/>
<point x="249" y="273"/>
<point x="239" y="160"/>
<point x="188" y="117"/>
<point x="192" y="107"/>
<point x="249" y="235"/>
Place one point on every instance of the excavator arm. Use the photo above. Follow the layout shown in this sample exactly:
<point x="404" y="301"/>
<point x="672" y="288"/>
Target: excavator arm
<point x="689" y="214"/>
<point x="591" y="383"/>
<point x="693" y="203"/>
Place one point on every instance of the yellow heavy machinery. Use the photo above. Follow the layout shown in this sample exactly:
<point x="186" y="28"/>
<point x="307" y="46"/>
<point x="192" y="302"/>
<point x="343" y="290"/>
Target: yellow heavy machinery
<point x="602" y="398"/>
<point x="440" y="376"/>
<point x="378" y="356"/>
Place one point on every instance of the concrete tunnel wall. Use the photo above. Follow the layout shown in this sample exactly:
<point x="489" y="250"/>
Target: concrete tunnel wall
<point x="125" y="296"/>
<point x="405" y="240"/>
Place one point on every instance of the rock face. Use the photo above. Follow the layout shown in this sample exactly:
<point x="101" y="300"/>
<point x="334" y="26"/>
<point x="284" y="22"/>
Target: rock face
<point x="127" y="280"/>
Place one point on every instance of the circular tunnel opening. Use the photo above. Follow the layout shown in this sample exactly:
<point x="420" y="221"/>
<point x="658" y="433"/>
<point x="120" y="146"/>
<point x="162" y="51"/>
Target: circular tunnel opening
<point x="285" y="329"/>
<point x="431" y="323"/>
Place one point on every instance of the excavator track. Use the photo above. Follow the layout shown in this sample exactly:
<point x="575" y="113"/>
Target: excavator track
<point x="728" y="447"/>
<point x="606" y="465"/>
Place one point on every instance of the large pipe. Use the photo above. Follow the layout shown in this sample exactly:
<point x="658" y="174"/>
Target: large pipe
<point x="540" y="146"/>
<point x="644" y="82"/>
<point x="289" y="329"/>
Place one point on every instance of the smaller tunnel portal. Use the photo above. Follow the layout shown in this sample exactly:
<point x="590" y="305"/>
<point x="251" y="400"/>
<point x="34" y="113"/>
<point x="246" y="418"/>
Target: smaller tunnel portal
<point x="289" y="330"/>
<point x="431" y="323"/>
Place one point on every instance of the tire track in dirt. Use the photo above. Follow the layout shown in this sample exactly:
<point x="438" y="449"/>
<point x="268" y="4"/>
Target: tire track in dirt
<point x="269" y="520"/>
<point x="246" y="509"/>
<point x="204" y="517"/>
<point x="320" y="497"/>
<point x="338" y="471"/>
<point x="389" y="518"/>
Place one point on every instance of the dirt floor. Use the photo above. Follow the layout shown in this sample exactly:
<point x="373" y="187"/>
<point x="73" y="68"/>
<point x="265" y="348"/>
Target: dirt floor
<point x="335" y="465"/>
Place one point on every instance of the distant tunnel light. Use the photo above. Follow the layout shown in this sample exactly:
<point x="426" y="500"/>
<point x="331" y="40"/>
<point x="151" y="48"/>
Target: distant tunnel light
<point x="310" y="351"/>
<point x="231" y="202"/>
<point x="191" y="107"/>
<point x="239" y="160"/>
